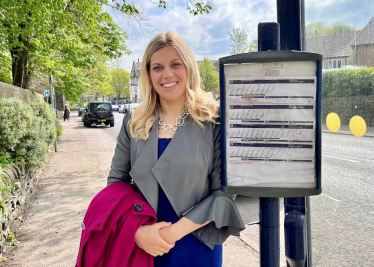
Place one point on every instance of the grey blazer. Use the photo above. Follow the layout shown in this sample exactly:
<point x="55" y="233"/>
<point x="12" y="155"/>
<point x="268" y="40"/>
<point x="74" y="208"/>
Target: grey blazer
<point x="189" y="172"/>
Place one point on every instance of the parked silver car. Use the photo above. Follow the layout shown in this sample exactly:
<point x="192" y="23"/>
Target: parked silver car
<point x="131" y="107"/>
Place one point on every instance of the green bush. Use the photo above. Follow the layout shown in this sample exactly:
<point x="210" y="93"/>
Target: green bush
<point x="26" y="131"/>
<point x="348" y="93"/>
<point x="59" y="130"/>
<point x="348" y="82"/>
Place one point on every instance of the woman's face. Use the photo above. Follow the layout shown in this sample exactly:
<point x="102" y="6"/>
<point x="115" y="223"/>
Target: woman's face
<point x="168" y="74"/>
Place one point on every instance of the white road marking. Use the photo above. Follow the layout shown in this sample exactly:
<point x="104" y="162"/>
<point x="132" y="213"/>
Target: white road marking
<point x="355" y="161"/>
<point x="337" y="200"/>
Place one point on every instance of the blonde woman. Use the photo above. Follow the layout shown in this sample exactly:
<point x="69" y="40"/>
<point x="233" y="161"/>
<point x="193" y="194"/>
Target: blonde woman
<point x="170" y="150"/>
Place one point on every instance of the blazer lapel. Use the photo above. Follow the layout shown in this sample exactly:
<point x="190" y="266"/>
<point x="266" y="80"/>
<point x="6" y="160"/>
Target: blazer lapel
<point x="141" y="169"/>
<point x="179" y="163"/>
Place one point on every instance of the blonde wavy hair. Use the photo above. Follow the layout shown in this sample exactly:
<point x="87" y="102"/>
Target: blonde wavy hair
<point x="201" y="105"/>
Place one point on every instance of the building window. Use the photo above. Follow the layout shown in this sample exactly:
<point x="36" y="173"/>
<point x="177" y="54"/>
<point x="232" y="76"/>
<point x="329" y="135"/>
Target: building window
<point x="335" y="64"/>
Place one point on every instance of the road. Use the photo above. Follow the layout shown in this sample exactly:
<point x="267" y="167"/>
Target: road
<point x="343" y="216"/>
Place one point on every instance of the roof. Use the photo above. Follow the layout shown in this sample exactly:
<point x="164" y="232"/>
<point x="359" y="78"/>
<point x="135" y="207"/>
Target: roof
<point x="337" y="45"/>
<point x="366" y="36"/>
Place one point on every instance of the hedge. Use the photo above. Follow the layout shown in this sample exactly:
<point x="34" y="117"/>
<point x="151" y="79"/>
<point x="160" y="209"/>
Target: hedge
<point x="348" y="93"/>
<point x="26" y="131"/>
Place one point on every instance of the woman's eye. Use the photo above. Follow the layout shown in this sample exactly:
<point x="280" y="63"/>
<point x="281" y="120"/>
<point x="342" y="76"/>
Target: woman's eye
<point x="176" y="64"/>
<point x="156" y="68"/>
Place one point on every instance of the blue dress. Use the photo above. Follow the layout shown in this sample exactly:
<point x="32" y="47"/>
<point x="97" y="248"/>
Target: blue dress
<point x="189" y="251"/>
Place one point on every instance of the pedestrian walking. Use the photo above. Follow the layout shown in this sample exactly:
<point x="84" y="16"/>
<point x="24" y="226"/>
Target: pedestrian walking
<point x="66" y="112"/>
<point x="169" y="150"/>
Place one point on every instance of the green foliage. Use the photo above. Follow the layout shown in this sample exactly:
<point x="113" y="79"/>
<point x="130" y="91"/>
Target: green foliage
<point x="5" y="67"/>
<point x="197" y="8"/>
<point x="12" y="240"/>
<point x="26" y="131"/>
<point x="348" y="93"/>
<point x="120" y="83"/>
<point x="6" y="191"/>
<point x="208" y="76"/>
<point x="348" y="82"/>
<point x="320" y="29"/>
<point x="239" y="41"/>
<point x="59" y="130"/>
<point x="253" y="46"/>
<point x="63" y="38"/>
<point x="99" y="78"/>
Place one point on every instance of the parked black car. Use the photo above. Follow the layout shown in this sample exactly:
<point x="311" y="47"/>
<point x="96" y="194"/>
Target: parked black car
<point x="98" y="113"/>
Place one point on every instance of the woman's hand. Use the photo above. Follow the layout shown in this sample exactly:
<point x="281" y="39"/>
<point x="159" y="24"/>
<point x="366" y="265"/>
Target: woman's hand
<point x="170" y="234"/>
<point x="148" y="238"/>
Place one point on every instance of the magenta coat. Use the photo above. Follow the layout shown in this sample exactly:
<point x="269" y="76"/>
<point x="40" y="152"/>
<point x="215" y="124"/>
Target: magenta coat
<point x="109" y="226"/>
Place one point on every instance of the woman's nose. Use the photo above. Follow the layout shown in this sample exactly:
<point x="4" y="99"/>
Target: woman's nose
<point x="168" y="72"/>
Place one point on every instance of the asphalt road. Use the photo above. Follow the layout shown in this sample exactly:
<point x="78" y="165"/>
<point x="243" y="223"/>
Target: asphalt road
<point x="343" y="216"/>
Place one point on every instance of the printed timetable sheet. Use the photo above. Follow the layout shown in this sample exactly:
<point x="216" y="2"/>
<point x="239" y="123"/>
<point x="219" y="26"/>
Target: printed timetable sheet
<point x="270" y="133"/>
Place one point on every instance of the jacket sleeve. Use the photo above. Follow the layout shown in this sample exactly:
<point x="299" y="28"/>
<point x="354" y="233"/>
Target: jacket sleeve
<point x="217" y="207"/>
<point x="121" y="164"/>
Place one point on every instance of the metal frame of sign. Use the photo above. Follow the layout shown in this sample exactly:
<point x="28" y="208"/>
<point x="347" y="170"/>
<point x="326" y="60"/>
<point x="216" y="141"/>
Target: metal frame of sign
<point x="272" y="57"/>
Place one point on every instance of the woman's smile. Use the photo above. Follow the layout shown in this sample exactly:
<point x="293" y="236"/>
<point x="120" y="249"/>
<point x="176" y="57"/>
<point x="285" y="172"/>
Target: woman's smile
<point x="170" y="85"/>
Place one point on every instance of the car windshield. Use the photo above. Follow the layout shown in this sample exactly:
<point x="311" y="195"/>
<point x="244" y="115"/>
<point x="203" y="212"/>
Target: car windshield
<point x="100" y="106"/>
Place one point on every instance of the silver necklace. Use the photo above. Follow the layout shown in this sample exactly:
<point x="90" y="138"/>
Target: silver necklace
<point x="172" y="128"/>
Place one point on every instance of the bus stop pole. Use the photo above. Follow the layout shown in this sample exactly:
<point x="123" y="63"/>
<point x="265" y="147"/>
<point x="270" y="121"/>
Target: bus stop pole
<point x="291" y="17"/>
<point x="269" y="39"/>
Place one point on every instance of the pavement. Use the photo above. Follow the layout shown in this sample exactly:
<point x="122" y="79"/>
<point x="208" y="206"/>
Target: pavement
<point x="71" y="177"/>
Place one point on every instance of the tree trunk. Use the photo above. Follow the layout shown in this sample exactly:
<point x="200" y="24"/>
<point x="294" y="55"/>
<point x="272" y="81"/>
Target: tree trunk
<point x="20" y="71"/>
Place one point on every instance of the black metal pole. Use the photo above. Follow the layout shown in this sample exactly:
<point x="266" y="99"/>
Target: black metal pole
<point x="269" y="39"/>
<point x="291" y="17"/>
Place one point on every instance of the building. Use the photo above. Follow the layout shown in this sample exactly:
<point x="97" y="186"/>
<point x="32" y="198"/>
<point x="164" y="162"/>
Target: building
<point x="336" y="49"/>
<point x="363" y="45"/>
<point x="345" y="49"/>
<point x="135" y="76"/>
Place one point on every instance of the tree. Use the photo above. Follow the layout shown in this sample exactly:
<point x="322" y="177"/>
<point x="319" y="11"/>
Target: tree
<point x="208" y="75"/>
<point x="120" y="82"/>
<point x="320" y="29"/>
<point x="97" y="79"/>
<point x="253" y="46"/>
<point x="57" y="37"/>
<point x="62" y="37"/>
<point x="239" y="41"/>
<point x="5" y="67"/>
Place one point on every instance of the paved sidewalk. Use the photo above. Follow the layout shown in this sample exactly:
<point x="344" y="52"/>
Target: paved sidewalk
<point x="51" y="232"/>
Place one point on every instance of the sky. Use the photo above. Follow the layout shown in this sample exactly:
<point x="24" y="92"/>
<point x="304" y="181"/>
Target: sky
<point x="208" y="34"/>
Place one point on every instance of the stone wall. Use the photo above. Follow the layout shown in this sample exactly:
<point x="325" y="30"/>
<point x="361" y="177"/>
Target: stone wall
<point x="12" y="218"/>
<point x="10" y="91"/>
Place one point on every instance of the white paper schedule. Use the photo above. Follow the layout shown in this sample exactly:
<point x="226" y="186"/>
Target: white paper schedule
<point x="270" y="133"/>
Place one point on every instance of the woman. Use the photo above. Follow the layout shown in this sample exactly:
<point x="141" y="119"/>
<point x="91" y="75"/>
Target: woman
<point x="66" y="112"/>
<point x="170" y="150"/>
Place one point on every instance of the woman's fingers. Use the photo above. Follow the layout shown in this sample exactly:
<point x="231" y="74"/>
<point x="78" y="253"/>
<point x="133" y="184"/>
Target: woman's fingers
<point x="148" y="238"/>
